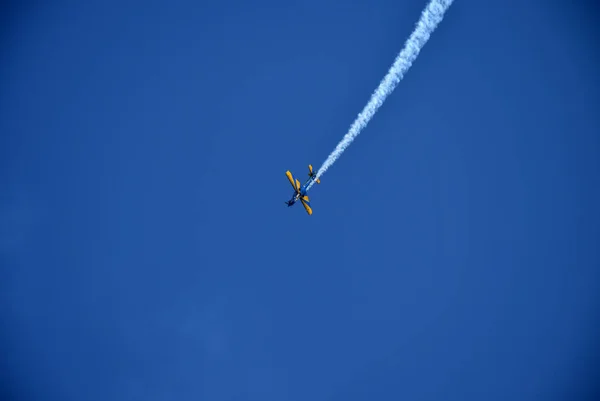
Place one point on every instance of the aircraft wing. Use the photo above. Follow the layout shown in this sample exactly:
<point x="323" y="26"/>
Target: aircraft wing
<point x="291" y="179"/>
<point x="306" y="204"/>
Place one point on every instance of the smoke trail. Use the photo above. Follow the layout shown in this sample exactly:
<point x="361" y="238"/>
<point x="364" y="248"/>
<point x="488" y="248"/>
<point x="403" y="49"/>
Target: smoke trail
<point x="432" y="15"/>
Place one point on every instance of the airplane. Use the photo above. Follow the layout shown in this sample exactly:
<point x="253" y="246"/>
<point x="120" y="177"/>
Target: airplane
<point x="300" y="190"/>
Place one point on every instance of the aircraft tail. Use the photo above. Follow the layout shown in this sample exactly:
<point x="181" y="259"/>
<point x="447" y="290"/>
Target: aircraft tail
<point x="311" y="174"/>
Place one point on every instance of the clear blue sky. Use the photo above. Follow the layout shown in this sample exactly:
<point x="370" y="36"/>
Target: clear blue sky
<point x="147" y="252"/>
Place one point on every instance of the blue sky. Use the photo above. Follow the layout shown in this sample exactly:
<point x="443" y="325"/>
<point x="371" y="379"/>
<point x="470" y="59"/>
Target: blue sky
<point x="147" y="251"/>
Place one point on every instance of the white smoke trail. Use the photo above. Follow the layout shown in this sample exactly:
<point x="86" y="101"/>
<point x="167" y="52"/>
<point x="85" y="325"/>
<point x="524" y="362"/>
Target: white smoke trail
<point x="431" y="16"/>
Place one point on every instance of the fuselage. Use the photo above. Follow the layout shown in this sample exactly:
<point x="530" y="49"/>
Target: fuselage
<point x="301" y="193"/>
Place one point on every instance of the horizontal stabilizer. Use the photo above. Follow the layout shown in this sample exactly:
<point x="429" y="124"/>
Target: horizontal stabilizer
<point x="312" y="174"/>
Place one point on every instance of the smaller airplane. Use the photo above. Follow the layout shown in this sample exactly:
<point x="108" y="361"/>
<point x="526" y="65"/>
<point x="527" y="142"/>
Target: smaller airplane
<point x="300" y="190"/>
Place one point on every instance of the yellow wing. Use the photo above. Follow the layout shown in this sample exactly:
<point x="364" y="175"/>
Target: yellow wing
<point x="291" y="179"/>
<point x="297" y="185"/>
<point x="306" y="206"/>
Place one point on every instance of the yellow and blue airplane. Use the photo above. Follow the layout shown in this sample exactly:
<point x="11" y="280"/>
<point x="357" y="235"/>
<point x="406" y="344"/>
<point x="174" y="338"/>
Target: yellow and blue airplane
<point x="300" y="190"/>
